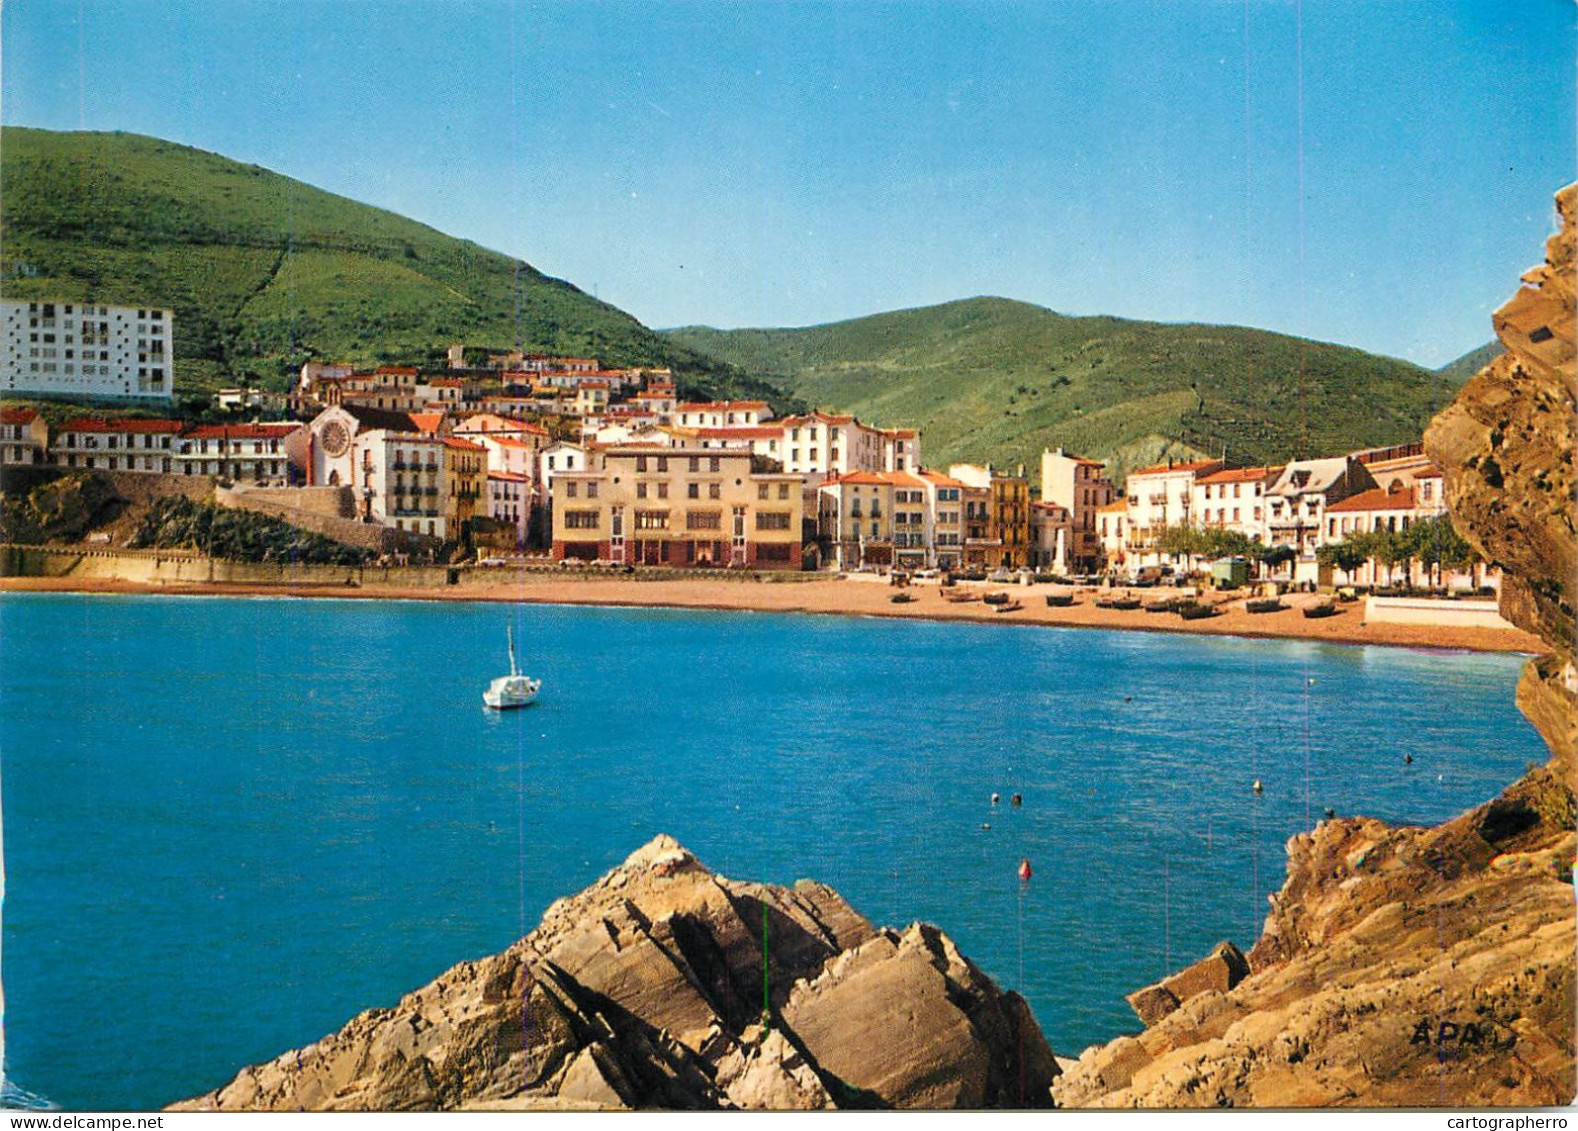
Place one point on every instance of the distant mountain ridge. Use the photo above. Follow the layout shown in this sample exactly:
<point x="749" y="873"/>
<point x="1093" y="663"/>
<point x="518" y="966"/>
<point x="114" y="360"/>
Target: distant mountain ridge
<point x="992" y="378"/>
<point x="264" y="272"/>
<point x="1461" y="369"/>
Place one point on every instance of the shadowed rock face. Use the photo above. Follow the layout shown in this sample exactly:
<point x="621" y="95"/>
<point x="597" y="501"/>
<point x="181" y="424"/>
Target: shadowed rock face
<point x="646" y="990"/>
<point x="1412" y="966"/>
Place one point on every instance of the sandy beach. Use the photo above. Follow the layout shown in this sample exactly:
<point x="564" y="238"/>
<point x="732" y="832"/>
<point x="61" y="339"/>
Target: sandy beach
<point x="849" y="597"/>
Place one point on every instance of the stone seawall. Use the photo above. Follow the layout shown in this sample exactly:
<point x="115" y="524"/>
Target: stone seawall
<point x="322" y="510"/>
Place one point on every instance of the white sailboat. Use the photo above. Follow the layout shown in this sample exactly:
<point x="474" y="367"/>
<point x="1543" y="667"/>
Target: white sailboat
<point x="513" y="690"/>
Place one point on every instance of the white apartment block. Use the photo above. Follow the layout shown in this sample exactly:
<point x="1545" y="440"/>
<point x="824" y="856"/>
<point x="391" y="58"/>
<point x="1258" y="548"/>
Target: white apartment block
<point x="87" y="349"/>
<point x="1158" y="497"/>
<point x="1234" y="499"/>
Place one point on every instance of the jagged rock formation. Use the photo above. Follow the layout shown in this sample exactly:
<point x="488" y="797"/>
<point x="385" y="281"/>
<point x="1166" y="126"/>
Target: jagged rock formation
<point x="1413" y="966"/>
<point x="647" y="990"/>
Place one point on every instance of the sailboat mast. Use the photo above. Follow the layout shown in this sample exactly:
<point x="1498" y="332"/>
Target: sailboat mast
<point x="510" y="629"/>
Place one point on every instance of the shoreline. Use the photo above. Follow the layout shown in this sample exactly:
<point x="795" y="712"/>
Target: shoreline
<point x="844" y="597"/>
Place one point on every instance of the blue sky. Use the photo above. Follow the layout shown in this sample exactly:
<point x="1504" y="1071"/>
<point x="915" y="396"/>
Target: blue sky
<point x="1375" y="173"/>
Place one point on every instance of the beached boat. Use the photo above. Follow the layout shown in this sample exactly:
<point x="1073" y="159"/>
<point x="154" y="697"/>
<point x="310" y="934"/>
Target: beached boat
<point x="901" y="598"/>
<point x="1124" y="604"/>
<point x="513" y="690"/>
<point x="1161" y="605"/>
<point x="996" y="598"/>
<point x="1194" y="610"/>
<point x="1264" y="605"/>
<point x="1320" y="609"/>
<point x="1059" y="600"/>
<point x="1010" y="607"/>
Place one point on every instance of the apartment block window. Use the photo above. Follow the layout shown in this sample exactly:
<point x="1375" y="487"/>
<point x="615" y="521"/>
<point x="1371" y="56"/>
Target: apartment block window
<point x="570" y="489"/>
<point x="695" y="464"/>
<point x="641" y="463"/>
<point x="662" y="465"/>
<point x="783" y="490"/>
<point x="693" y="490"/>
<point x="651" y="520"/>
<point x="714" y="464"/>
<point x="662" y="490"/>
<point x="761" y="490"/>
<point x="580" y="520"/>
<point x="772" y="520"/>
<point x="641" y="490"/>
<point x="704" y="520"/>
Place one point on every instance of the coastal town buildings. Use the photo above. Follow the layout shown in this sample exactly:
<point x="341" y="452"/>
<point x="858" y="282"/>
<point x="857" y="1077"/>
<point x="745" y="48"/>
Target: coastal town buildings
<point x="510" y="501"/>
<point x="722" y="414"/>
<point x="465" y="478"/>
<point x="1111" y="523"/>
<point x="117" y="444"/>
<point x="240" y="453"/>
<point x="67" y="348"/>
<point x="997" y="514"/>
<point x="945" y="518"/>
<point x="1081" y="487"/>
<point x="1160" y="496"/>
<point x="1296" y="503"/>
<point x="677" y="507"/>
<point x="1234" y="498"/>
<point x="1051" y="535"/>
<point x="24" y="437"/>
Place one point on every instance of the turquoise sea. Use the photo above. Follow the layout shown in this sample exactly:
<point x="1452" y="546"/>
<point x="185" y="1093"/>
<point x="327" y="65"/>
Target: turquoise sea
<point x="231" y="824"/>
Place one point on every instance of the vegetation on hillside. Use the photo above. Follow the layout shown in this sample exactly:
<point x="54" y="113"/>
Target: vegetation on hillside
<point x="993" y="379"/>
<point x="265" y="272"/>
<point x="175" y="522"/>
<point x="1459" y="371"/>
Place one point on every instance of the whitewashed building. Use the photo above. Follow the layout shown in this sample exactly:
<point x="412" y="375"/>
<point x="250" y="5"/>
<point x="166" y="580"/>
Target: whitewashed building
<point x="87" y="349"/>
<point x="117" y="444"/>
<point x="24" y="438"/>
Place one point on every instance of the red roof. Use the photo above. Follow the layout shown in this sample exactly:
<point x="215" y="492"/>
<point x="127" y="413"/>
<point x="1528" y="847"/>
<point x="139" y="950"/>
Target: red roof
<point x="745" y="432"/>
<point x="17" y="416"/>
<point x="121" y="424"/>
<point x="241" y="431"/>
<point x="1376" y="499"/>
<point x="445" y="382"/>
<point x="1238" y="474"/>
<point x="427" y="421"/>
<point x="1163" y="468"/>
<point x="877" y="479"/>
<point x="939" y="479"/>
<point x="509" y="476"/>
<point x="396" y="371"/>
<point x="460" y="445"/>
<point x="722" y="406"/>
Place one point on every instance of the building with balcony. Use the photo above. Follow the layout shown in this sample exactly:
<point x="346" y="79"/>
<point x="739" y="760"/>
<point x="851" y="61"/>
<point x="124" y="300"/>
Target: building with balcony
<point x="120" y="444"/>
<point x="1296" y="503"/>
<point x="681" y="507"/>
<point x="1157" y="497"/>
<point x="24" y="438"/>
<point x="1234" y="498"/>
<point x="241" y="453"/>
<point x="1081" y="487"/>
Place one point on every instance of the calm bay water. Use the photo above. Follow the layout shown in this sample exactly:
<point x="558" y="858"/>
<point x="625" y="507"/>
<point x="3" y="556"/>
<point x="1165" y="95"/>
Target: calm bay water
<point x="232" y="824"/>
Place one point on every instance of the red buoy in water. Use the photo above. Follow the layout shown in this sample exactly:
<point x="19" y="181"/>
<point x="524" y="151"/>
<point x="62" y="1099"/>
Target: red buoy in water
<point x="1024" y="870"/>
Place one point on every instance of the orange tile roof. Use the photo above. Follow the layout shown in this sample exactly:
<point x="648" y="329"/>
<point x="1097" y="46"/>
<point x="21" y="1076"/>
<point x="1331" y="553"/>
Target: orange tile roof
<point x="938" y="478"/>
<point x="459" y="445"/>
<point x="396" y="371"/>
<point x="1162" y="468"/>
<point x="1376" y="499"/>
<point x="427" y="421"/>
<point x="509" y="476"/>
<point x="241" y="431"/>
<point x="876" y="479"/>
<point x="1114" y="507"/>
<point x="17" y="416"/>
<point x="743" y="432"/>
<point x="1238" y="474"/>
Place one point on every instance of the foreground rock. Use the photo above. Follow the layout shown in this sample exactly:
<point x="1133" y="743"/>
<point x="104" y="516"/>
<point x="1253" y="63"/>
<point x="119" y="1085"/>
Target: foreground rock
<point x="1411" y="966"/>
<point x="646" y="990"/>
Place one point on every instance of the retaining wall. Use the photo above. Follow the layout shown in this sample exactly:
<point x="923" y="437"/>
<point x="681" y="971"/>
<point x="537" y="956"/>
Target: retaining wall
<point x="1434" y="611"/>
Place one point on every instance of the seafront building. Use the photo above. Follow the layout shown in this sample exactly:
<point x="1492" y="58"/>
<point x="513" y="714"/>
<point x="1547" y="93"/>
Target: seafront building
<point x="1160" y="496"/>
<point x="1234" y="498"/>
<point x="1081" y="487"/>
<point x="677" y="507"/>
<point x="68" y="348"/>
<point x="117" y="444"/>
<point x="24" y="438"/>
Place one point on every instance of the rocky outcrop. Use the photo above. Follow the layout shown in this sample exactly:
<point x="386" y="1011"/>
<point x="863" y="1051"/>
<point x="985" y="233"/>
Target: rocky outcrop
<point x="1414" y="966"/>
<point x="652" y="988"/>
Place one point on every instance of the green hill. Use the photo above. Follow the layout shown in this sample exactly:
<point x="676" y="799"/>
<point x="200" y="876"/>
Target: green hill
<point x="264" y="272"/>
<point x="992" y="379"/>
<point x="1459" y="371"/>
